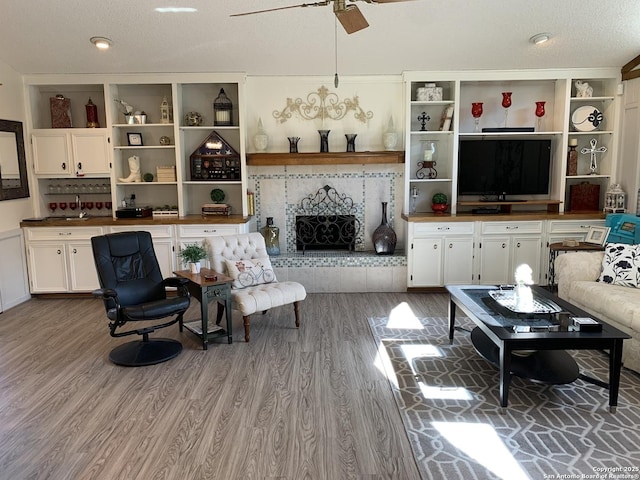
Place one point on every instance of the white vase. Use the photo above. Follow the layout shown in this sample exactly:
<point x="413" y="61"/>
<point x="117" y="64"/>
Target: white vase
<point x="195" y="267"/>
<point x="390" y="137"/>
<point x="261" y="139"/>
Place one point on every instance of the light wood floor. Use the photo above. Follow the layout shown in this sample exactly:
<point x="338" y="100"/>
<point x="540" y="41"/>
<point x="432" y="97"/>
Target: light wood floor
<point x="292" y="404"/>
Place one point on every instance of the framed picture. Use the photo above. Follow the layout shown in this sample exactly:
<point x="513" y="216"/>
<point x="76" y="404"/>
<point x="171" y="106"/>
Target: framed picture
<point x="597" y="235"/>
<point x="134" y="139"/>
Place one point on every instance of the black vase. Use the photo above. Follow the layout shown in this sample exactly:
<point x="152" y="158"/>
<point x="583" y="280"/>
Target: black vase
<point x="384" y="238"/>
<point x="324" y="140"/>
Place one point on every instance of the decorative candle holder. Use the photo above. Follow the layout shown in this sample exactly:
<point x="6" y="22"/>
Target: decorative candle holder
<point x="476" y="112"/>
<point x="506" y="103"/>
<point x="324" y="140"/>
<point x="540" y="113"/>
<point x="293" y="144"/>
<point x="351" y="141"/>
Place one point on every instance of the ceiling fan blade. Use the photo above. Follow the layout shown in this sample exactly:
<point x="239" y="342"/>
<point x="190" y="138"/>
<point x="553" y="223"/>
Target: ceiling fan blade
<point x="351" y="19"/>
<point x="315" y="4"/>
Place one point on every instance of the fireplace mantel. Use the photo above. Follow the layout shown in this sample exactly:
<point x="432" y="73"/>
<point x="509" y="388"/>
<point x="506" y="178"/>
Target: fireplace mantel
<point x="329" y="158"/>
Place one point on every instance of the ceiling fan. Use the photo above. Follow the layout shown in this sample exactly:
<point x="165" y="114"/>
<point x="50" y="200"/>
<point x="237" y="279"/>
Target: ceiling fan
<point x="349" y="16"/>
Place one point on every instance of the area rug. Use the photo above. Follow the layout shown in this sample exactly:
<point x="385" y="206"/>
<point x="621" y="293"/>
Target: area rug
<point x="448" y="399"/>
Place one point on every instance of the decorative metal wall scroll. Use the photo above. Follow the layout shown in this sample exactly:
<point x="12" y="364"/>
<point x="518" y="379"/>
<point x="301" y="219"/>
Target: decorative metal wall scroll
<point x="321" y="105"/>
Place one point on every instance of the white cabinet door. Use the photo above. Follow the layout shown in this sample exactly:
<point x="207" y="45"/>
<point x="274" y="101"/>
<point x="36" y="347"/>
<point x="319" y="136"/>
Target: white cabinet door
<point x="165" y="254"/>
<point x="494" y="260"/>
<point x="51" y="153"/>
<point x="527" y="250"/>
<point x="458" y="261"/>
<point x="48" y="267"/>
<point x="426" y="263"/>
<point x="90" y="152"/>
<point x="70" y="154"/>
<point x="82" y="271"/>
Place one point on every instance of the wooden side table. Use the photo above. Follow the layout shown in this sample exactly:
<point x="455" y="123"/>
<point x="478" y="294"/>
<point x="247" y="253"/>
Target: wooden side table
<point x="556" y="248"/>
<point x="206" y="291"/>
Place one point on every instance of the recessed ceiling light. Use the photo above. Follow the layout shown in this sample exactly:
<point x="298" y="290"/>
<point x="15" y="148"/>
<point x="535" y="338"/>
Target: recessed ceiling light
<point x="540" y="38"/>
<point x="102" y="43"/>
<point x="176" y="9"/>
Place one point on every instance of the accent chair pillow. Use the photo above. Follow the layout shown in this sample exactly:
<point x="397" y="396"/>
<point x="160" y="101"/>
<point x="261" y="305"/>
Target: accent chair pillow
<point x="621" y="265"/>
<point x="247" y="273"/>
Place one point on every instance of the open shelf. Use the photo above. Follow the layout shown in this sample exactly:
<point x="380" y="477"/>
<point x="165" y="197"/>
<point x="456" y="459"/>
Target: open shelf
<point x="553" y="206"/>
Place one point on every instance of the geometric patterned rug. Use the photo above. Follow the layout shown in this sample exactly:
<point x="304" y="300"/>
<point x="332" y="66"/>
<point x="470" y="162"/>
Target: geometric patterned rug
<point x="448" y="399"/>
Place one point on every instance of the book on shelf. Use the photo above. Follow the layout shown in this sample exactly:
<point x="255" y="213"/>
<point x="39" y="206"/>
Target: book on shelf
<point x="445" y="120"/>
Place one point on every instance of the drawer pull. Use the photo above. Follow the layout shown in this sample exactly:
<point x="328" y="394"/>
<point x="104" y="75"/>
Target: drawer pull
<point x="451" y="245"/>
<point x="75" y="250"/>
<point x="512" y="227"/>
<point x="435" y="246"/>
<point x="64" y="233"/>
<point x="443" y="228"/>
<point x="59" y="251"/>
<point x="210" y="231"/>
<point x="504" y="245"/>
<point x="518" y="245"/>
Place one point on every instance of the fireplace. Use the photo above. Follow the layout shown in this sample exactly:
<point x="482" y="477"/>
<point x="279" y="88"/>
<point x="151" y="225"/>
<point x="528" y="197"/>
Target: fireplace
<point x="326" y="220"/>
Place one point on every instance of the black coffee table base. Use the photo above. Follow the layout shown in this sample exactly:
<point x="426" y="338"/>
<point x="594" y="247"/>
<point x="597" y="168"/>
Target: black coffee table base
<point x="555" y="367"/>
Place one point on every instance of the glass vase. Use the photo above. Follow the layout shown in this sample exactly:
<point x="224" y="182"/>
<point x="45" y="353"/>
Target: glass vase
<point x="271" y="235"/>
<point x="351" y="141"/>
<point x="384" y="237"/>
<point x="324" y="140"/>
<point x="293" y="144"/>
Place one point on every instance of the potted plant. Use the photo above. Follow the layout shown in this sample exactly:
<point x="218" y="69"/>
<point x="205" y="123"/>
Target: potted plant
<point x="192" y="253"/>
<point x="439" y="203"/>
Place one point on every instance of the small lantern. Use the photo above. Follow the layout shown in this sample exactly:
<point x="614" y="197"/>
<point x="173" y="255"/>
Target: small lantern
<point x="614" y="199"/>
<point x="165" y="113"/>
<point x="222" y="108"/>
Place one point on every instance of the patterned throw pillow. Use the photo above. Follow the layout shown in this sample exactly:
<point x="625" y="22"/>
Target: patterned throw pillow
<point x="246" y="273"/>
<point x="621" y="265"/>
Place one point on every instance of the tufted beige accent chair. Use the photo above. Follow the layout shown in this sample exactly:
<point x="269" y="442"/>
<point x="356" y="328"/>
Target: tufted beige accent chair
<point x="258" y="298"/>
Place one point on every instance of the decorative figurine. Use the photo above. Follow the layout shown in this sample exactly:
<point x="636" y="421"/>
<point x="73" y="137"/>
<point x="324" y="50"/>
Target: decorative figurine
<point x="423" y="118"/>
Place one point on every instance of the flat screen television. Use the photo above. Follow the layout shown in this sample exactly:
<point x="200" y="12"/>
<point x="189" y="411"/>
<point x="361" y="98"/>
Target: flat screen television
<point x="504" y="167"/>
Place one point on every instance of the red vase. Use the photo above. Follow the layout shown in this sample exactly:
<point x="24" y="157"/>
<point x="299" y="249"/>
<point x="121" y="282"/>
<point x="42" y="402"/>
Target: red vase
<point x="506" y="99"/>
<point x="439" y="208"/>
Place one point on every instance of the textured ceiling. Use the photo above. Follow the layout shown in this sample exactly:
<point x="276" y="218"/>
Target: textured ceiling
<point x="40" y="36"/>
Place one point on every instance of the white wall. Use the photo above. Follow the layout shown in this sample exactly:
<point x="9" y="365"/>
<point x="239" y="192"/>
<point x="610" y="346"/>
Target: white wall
<point x="12" y="107"/>
<point x="381" y="95"/>
<point x="13" y="269"/>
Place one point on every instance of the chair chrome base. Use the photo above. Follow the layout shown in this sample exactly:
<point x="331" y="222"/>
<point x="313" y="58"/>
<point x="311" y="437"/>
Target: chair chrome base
<point x="141" y="353"/>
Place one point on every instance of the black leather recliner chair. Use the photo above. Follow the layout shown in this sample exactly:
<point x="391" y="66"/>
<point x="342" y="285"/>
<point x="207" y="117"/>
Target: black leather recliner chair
<point x="133" y="290"/>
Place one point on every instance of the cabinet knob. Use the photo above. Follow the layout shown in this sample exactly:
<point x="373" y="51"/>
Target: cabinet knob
<point x="518" y="245"/>
<point x="435" y="246"/>
<point x="75" y="250"/>
<point x="79" y="165"/>
<point x="451" y="245"/>
<point x="64" y="165"/>
<point x="504" y="245"/>
<point x="59" y="251"/>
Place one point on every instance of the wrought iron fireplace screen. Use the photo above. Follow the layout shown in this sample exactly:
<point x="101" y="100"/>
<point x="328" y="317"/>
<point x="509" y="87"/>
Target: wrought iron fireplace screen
<point x="326" y="220"/>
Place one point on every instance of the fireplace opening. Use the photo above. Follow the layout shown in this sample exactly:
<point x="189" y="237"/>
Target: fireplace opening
<point x="325" y="232"/>
<point x="326" y="220"/>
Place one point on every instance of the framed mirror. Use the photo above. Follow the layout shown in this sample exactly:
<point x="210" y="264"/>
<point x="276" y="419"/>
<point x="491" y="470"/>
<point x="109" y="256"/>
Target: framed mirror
<point x="13" y="162"/>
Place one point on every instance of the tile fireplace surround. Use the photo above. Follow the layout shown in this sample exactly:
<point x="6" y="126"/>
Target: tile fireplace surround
<point x="278" y="193"/>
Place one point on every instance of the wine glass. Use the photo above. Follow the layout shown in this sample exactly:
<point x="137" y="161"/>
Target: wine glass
<point x="73" y="205"/>
<point x="476" y="112"/>
<point x="108" y="205"/>
<point x="98" y="205"/>
<point x="506" y="103"/>
<point x="53" y="206"/>
<point x="540" y="113"/>
<point x="62" y="205"/>
<point x="89" y="205"/>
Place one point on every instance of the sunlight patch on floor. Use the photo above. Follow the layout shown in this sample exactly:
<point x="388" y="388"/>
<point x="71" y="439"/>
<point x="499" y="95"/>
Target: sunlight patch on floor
<point x="481" y="442"/>
<point x="401" y="316"/>
<point x="383" y="363"/>
<point x="444" y="393"/>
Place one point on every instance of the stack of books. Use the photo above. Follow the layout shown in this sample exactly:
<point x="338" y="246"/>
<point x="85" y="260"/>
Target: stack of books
<point x="216" y="209"/>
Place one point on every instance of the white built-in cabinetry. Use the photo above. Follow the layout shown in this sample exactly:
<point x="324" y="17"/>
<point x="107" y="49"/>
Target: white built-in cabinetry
<point x="60" y="259"/>
<point x="81" y="155"/>
<point x="440" y="254"/>
<point x="503" y="246"/>
<point x="460" y="89"/>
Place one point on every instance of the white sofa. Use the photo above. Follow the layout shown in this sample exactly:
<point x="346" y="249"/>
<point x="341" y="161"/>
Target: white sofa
<point x="619" y="306"/>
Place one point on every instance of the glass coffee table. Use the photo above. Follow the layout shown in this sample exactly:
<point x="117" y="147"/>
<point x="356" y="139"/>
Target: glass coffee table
<point x="530" y="341"/>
